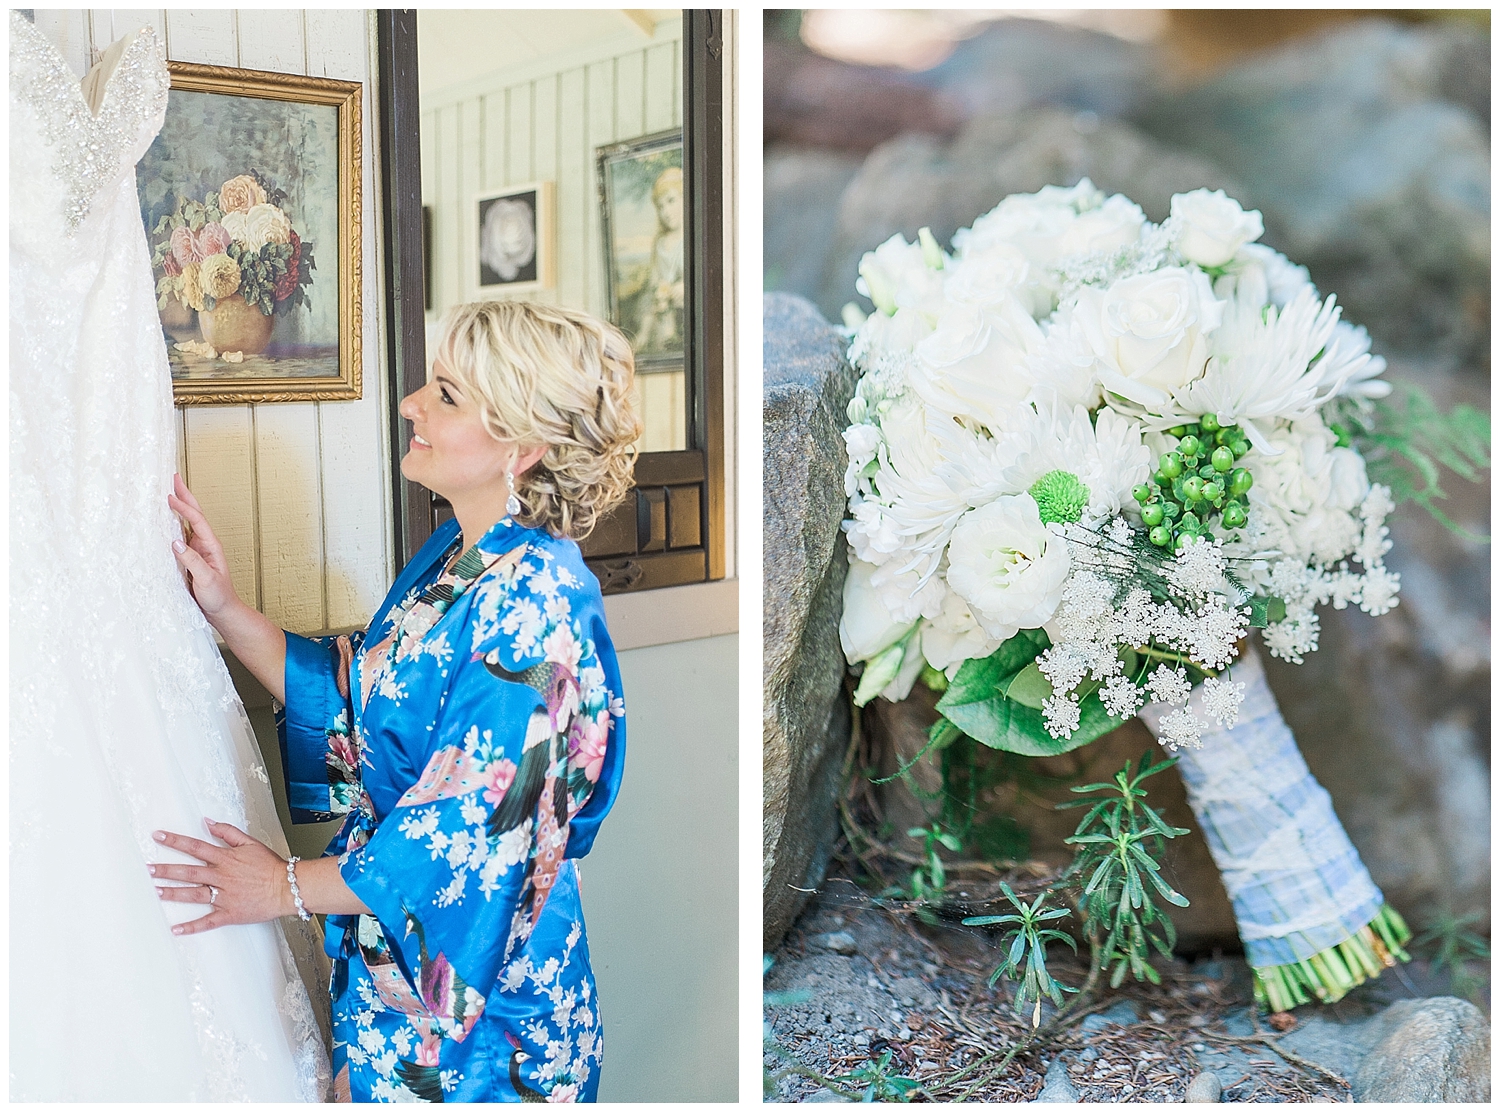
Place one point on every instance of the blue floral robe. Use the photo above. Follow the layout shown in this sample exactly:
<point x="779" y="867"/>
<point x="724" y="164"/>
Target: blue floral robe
<point x="474" y="736"/>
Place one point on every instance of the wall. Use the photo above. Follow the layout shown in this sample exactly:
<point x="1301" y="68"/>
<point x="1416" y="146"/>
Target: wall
<point x="298" y="492"/>
<point x="544" y="123"/>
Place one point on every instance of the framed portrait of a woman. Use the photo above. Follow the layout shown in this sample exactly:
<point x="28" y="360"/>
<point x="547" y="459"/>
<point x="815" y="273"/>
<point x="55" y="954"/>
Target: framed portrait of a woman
<point x="514" y="234"/>
<point x="641" y="198"/>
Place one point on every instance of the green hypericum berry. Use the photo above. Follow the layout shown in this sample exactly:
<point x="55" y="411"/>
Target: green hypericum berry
<point x="1060" y="497"/>
<point x="1161" y="536"/>
<point x="1152" y="514"/>
<point x="1170" y="464"/>
<point x="1223" y="458"/>
<point x="1208" y="423"/>
<point x="1234" y="516"/>
<point x="1240" y="448"/>
<point x="1178" y="430"/>
<point x="1211" y="492"/>
<point x="1192" y="486"/>
<point x="1141" y="493"/>
<point x="1240" y="480"/>
<point x="1170" y="510"/>
<point x="1189" y="445"/>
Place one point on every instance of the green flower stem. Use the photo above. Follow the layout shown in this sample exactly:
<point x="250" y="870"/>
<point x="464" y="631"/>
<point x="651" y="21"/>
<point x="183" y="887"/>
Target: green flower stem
<point x="1328" y="976"/>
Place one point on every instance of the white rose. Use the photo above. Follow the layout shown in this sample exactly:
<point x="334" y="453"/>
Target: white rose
<point x="867" y="628"/>
<point x="1115" y="224"/>
<point x="263" y="224"/>
<point x="987" y="277"/>
<point x="1007" y="565"/>
<point x="1148" y="332"/>
<point x="1212" y="227"/>
<point x="974" y="362"/>
<point x="1031" y="221"/>
<point x="234" y="224"/>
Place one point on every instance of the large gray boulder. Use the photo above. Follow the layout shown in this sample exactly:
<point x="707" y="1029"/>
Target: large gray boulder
<point x="808" y="385"/>
<point x="1367" y="152"/>
<point x="920" y="180"/>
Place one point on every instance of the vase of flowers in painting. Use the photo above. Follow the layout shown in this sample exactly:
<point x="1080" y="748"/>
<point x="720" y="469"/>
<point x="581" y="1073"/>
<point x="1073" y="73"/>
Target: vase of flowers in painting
<point x="234" y="259"/>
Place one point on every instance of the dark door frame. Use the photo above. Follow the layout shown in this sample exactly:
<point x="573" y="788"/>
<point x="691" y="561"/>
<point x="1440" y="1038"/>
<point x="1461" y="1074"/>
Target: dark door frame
<point x="671" y="530"/>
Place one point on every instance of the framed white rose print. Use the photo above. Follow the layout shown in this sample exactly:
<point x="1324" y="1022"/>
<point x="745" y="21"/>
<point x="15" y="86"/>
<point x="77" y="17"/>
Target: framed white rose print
<point x="514" y="234"/>
<point x="251" y="199"/>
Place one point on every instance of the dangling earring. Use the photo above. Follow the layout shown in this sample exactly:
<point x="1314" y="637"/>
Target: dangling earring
<point x="512" y="504"/>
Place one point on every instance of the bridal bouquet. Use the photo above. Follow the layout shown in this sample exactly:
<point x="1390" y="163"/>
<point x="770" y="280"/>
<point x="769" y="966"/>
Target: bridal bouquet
<point x="237" y="241"/>
<point x="1087" y="454"/>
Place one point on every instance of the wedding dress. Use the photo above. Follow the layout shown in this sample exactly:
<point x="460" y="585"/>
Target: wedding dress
<point x="123" y="719"/>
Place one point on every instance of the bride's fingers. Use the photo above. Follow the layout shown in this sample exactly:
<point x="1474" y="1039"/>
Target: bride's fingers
<point x="193" y="874"/>
<point x="194" y="893"/>
<point x="206" y="923"/>
<point x="193" y="847"/>
<point x="185" y="494"/>
<point x="230" y="835"/>
<point x="197" y="523"/>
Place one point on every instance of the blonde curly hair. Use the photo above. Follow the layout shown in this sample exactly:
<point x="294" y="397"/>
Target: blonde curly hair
<point x="548" y="375"/>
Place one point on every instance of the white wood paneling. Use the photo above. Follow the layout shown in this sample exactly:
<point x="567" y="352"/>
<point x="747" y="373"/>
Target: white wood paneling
<point x="548" y="127"/>
<point x="298" y="493"/>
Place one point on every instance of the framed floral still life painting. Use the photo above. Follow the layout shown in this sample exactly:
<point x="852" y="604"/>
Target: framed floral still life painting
<point x="640" y="195"/>
<point x="514" y="235"/>
<point x="251" y="200"/>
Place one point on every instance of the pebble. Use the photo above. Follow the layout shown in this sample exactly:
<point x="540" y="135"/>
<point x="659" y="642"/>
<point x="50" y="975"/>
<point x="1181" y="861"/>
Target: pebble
<point x="840" y="942"/>
<point x="1088" y="1054"/>
<point x="1204" y="1089"/>
<point x="1057" y="1088"/>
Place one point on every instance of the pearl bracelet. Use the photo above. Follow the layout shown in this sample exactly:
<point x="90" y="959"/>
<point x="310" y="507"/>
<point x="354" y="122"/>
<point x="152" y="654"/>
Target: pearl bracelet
<point x="291" y="878"/>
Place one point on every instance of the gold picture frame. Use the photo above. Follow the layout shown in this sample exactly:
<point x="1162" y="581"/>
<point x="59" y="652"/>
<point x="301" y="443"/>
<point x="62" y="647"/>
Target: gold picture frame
<point x="250" y="173"/>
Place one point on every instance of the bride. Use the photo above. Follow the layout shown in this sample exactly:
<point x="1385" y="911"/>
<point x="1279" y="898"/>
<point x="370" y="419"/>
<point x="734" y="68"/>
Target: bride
<point x="123" y="720"/>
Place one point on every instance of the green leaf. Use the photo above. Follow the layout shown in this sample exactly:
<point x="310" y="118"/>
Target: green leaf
<point x="977" y="704"/>
<point x="1264" y="611"/>
<point x="1030" y="687"/>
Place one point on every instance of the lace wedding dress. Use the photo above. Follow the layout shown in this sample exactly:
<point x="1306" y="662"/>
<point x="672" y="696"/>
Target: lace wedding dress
<point x="123" y="719"/>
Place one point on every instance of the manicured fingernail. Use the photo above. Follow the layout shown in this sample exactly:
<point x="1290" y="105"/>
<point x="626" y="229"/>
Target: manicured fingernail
<point x="178" y="547"/>
<point x="176" y="930"/>
<point x="151" y="869"/>
<point x="160" y="835"/>
<point x="161" y="891"/>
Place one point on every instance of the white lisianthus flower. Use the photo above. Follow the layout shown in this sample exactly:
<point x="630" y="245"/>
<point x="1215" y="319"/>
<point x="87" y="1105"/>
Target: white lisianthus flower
<point x="1149" y="332"/>
<point x="974" y="363"/>
<point x="1211" y="227"/>
<point x="954" y="636"/>
<point x="1265" y="276"/>
<point x="1007" y="565"/>
<point x="896" y="276"/>
<point x="866" y="629"/>
<point x="1314" y="488"/>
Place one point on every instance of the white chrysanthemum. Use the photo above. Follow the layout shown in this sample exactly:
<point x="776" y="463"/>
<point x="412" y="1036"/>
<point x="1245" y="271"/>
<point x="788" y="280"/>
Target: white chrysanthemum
<point x="1007" y="565"/>
<point x="1108" y="458"/>
<point x="1181" y="730"/>
<point x="1169" y="685"/>
<point x="1121" y="697"/>
<point x="1221" y="701"/>
<point x="1265" y="363"/>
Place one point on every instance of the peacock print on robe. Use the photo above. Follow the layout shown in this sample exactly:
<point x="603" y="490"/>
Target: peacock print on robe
<point x="474" y="738"/>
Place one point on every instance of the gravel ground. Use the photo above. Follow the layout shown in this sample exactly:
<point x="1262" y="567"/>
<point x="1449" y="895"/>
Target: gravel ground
<point x="854" y="980"/>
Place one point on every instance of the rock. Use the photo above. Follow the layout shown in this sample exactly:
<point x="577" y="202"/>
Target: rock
<point x="1436" y="1051"/>
<point x="1366" y="170"/>
<point x="917" y="181"/>
<point x="808" y="384"/>
<point x="1026" y="63"/>
<point x="1057" y="1088"/>
<point x="1204" y="1089"/>
<point x="840" y="942"/>
<point x="1122" y="1014"/>
<point x="813" y="101"/>
<point x="826" y="1096"/>
<point x="801" y="206"/>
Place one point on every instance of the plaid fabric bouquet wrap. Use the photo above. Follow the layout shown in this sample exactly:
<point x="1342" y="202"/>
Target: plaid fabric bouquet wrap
<point x="1087" y="455"/>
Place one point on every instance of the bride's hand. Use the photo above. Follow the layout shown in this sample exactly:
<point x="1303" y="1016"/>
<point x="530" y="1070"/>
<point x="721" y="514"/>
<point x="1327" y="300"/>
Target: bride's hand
<point x="244" y="880"/>
<point x="202" y="557"/>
